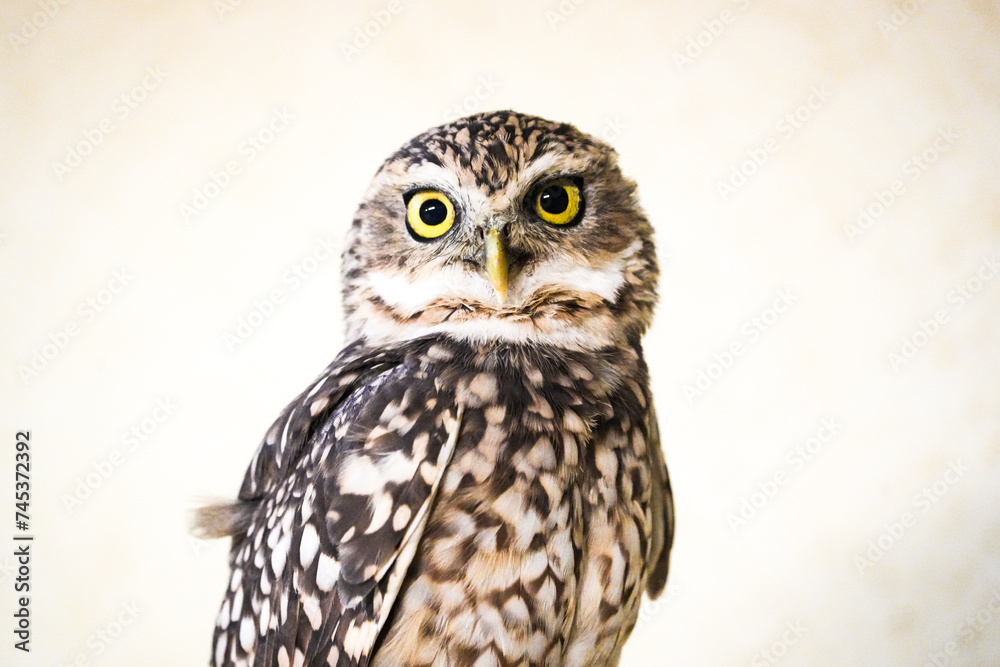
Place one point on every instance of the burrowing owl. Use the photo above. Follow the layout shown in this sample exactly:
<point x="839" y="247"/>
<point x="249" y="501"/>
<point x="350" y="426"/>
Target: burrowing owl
<point x="477" y="478"/>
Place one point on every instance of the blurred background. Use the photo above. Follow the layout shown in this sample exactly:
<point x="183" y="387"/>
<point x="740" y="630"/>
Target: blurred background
<point x="176" y="180"/>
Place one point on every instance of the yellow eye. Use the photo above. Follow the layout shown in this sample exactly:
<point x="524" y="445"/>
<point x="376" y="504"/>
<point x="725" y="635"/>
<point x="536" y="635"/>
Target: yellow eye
<point x="429" y="214"/>
<point x="558" y="203"/>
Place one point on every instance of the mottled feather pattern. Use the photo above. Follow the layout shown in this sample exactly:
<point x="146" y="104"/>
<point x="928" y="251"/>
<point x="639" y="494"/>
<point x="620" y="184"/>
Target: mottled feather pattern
<point x="477" y="479"/>
<point x="334" y="494"/>
<point x="546" y="506"/>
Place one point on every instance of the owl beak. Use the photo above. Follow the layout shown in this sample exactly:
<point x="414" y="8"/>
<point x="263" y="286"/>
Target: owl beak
<point x="496" y="263"/>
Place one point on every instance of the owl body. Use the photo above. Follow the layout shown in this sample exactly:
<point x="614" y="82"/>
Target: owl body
<point x="532" y="554"/>
<point x="477" y="479"/>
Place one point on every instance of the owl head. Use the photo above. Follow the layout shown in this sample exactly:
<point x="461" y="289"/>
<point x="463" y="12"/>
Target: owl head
<point x="501" y="227"/>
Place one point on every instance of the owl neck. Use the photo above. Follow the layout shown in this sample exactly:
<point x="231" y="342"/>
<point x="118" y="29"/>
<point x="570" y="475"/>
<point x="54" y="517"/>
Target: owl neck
<point x="581" y="331"/>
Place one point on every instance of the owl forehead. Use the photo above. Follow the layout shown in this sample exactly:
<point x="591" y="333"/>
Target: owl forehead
<point x="495" y="154"/>
<point x="464" y="185"/>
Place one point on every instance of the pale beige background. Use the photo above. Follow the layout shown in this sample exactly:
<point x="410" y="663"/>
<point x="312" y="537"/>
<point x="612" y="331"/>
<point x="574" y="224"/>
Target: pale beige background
<point x="880" y="94"/>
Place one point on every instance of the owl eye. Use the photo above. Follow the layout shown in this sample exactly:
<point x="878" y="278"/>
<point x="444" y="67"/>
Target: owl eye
<point x="558" y="203"/>
<point x="429" y="214"/>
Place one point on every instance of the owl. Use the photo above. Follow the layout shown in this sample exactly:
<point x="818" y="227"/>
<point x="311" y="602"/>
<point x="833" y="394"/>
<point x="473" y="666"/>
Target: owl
<point x="477" y="478"/>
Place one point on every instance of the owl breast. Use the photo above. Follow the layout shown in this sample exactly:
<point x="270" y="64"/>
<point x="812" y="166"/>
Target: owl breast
<point x="534" y="551"/>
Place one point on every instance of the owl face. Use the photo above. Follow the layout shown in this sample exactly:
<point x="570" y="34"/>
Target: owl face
<point x="501" y="226"/>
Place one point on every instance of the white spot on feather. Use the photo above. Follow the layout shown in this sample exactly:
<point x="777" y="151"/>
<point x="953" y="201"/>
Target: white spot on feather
<point x="419" y="447"/>
<point x="280" y="555"/>
<point x="359" y="639"/>
<point x="220" y="650"/>
<point x="234" y="581"/>
<point x="317" y="406"/>
<point x="397" y="467"/>
<point x="360" y="476"/>
<point x="247" y="633"/>
<point x="223" y="620"/>
<point x="273" y="536"/>
<point x="307" y="502"/>
<point x="515" y="611"/>
<point x="381" y="510"/>
<point x="308" y="546"/>
<point x="534" y="566"/>
<point x="237" y="605"/>
<point x="310" y="606"/>
<point x="401" y="518"/>
<point x="265" y="618"/>
<point x="327" y="571"/>
<point x="572" y="422"/>
<point x="509" y="506"/>
<point x="484" y="385"/>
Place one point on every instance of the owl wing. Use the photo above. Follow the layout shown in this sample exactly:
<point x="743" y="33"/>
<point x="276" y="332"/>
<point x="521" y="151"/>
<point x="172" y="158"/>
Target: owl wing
<point x="663" y="507"/>
<point x="331" y="512"/>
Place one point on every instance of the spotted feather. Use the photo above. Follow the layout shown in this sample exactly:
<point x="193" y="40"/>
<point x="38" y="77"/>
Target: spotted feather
<point x="337" y="497"/>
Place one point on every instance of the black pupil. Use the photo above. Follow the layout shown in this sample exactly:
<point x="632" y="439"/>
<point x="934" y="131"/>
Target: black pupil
<point x="433" y="212"/>
<point x="554" y="199"/>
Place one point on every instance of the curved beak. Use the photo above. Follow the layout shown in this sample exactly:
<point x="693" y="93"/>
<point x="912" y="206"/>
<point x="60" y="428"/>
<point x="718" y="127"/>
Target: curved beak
<point x="496" y="263"/>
